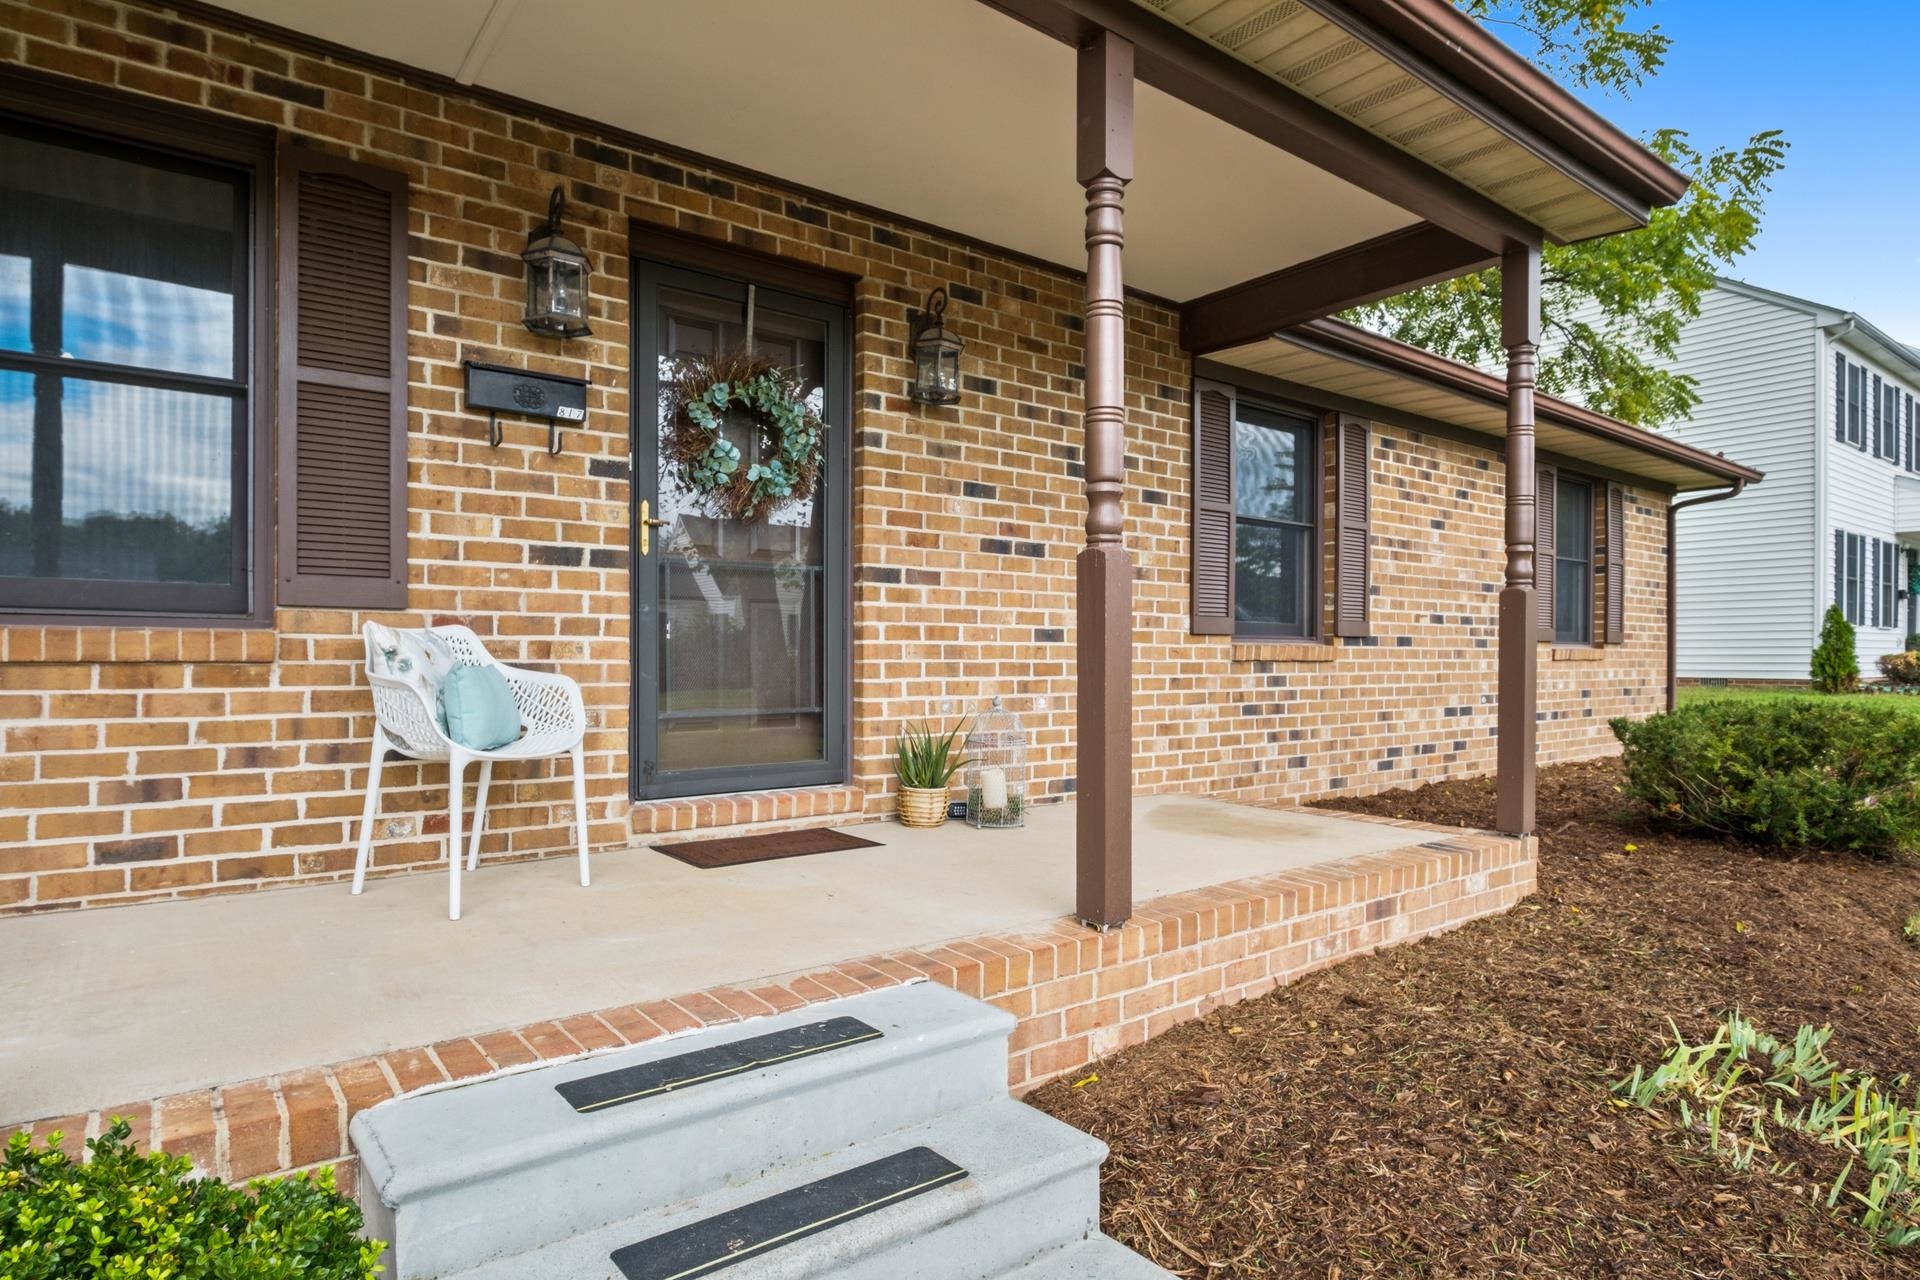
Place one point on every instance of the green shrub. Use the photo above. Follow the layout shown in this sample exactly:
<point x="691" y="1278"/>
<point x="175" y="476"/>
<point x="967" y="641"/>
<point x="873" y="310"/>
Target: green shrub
<point x="1835" y="667"/>
<point x="127" y="1216"/>
<point x="1789" y="772"/>
<point x="1900" y="668"/>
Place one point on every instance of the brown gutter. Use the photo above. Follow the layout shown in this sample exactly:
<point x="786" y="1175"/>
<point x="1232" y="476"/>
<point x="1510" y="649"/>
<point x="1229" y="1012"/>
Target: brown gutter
<point x="1673" y="578"/>
<point x="1356" y="345"/>
<point x="1461" y="47"/>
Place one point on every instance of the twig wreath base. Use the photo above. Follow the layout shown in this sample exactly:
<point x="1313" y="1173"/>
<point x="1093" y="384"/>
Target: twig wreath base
<point x="710" y="390"/>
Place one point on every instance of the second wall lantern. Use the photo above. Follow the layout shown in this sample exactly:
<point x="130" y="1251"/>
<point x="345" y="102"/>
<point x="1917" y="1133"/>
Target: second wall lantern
<point x="936" y="353"/>
<point x="557" y="271"/>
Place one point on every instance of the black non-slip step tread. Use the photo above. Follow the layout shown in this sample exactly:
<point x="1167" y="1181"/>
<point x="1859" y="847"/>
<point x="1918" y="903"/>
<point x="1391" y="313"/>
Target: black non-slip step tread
<point x="752" y="1230"/>
<point x="714" y="1062"/>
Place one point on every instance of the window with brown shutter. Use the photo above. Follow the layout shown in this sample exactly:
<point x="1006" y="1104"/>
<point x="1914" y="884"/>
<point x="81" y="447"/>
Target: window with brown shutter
<point x="1546" y="491"/>
<point x="1615" y="610"/>
<point x="1352" y="524"/>
<point x="1256" y="517"/>
<point x="343" y="383"/>
<point x="1213" y="411"/>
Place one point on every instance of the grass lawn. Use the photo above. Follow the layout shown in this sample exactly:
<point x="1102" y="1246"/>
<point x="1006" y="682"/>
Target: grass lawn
<point x="1443" y="1109"/>
<point x="1699" y="693"/>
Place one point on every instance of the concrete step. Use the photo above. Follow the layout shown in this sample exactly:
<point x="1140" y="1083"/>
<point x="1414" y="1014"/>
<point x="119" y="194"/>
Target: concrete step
<point x="1096" y="1258"/>
<point x="1030" y="1190"/>
<point x="458" y="1176"/>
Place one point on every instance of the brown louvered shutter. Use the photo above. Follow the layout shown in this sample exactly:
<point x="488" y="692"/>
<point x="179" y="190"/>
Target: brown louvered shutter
<point x="1616" y="601"/>
<point x="343" y="383"/>
<point x="1545" y="496"/>
<point x="1213" y="507"/>
<point x="1353" y="521"/>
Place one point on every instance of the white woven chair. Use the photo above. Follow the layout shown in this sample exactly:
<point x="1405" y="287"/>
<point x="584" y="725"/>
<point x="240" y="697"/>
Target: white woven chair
<point x="553" y="721"/>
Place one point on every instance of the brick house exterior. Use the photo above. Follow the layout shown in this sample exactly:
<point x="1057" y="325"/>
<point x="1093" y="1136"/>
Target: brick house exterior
<point x="190" y="759"/>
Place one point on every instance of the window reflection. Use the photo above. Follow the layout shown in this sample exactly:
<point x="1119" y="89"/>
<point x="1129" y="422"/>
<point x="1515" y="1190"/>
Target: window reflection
<point x="1273" y="531"/>
<point x="145" y="487"/>
<point x="16" y="283"/>
<point x="155" y="324"/>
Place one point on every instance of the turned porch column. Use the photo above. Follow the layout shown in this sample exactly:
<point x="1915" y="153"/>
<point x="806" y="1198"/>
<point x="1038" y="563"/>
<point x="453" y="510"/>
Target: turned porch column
<point x="1104" y="621"/>
<point x="1519" y="603"/>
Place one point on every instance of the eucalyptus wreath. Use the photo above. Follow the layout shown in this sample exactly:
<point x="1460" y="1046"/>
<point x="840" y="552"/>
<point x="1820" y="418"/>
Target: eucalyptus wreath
<point x="707" y="392"/>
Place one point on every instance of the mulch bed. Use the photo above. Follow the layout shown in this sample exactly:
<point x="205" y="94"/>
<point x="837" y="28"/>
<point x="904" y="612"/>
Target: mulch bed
<point x="1442" y="1109"/>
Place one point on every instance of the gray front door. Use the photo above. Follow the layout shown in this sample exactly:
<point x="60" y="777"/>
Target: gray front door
<point x="739" y="627"/>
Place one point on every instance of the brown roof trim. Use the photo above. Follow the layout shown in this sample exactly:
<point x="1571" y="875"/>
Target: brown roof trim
<point x="1349" y="342"/>
<point x="1462" y="47"/>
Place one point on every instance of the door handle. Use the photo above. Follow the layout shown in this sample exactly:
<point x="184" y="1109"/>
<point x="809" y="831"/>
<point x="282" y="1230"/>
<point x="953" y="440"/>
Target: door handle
<point x="647" y="525"/>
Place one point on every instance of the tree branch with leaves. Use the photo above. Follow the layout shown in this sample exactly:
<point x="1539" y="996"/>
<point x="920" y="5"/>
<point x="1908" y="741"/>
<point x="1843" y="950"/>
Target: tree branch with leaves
<point x="1613" y="308"/>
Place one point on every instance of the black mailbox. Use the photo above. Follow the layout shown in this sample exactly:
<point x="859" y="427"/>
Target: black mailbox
<point x="499" y="389"/>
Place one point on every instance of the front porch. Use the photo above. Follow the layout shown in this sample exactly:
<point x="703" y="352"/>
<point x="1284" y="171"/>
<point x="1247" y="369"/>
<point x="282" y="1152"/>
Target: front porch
<point x="246" y="1031"/>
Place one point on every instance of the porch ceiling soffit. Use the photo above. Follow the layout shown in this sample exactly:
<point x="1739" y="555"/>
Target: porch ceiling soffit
<point x="1421" y="78"/>
<point x="1339" y="366"/>
<point x="946" y="113"/>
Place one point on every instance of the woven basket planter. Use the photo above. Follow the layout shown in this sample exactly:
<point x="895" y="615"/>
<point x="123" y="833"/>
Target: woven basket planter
<point x="923" y="806"/>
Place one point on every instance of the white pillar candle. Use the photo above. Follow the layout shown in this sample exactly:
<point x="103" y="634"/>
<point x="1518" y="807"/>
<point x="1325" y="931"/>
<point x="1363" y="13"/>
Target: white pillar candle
<point x="993" y="789"/>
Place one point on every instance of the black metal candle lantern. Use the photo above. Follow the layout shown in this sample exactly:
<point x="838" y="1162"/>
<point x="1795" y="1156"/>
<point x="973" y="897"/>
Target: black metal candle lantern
<point x="936" y="353"/>
<point x="557" y="272"/>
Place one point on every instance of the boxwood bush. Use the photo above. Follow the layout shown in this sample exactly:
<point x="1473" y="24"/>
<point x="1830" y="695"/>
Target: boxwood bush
<point x="126" y="1216"/>
<point x="1793" y="773"/>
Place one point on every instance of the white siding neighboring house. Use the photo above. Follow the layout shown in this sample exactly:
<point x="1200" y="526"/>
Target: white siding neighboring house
<point x="1824" y="403"/>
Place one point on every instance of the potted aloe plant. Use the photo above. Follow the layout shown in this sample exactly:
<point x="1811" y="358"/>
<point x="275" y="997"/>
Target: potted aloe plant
<point x="925" y="761"/>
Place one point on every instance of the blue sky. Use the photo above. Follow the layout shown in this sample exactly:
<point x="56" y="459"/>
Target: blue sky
<point x="1843" y="220"/>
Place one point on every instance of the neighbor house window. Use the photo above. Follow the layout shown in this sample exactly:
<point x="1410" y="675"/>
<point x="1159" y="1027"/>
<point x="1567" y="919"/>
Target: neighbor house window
<point x="1573" y="562"/>
<point x="124" y="355"/>
<point x="1275" y="459"/>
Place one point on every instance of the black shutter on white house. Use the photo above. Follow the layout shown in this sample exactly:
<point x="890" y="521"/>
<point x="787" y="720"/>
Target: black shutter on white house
<point x="343" y="383"/>
<point x="1353" y="515"/>
<point x="1911" y="442"/>
<point x="1840" y="569"/>
<point x="1839" y="397"/>
<point x="1546" y="496"/>
<point x="1878" y="448"/>
<point x="1213" y="508"/>
<point x="1873" y="584"/>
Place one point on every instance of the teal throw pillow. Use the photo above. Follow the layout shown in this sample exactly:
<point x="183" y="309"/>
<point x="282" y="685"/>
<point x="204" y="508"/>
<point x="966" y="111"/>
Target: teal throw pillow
<point x="479" y="708"/>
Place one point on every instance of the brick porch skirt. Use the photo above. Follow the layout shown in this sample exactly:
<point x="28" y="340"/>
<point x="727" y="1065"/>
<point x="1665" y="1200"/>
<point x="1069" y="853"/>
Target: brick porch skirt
<point x="1079" y="996"/>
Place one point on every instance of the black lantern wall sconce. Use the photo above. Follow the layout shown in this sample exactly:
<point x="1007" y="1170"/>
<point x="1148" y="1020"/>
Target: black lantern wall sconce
<point x="936" y="353"/>
<point x="557" y="271"/>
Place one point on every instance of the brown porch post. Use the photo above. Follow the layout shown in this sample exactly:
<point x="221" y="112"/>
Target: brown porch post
<point x="1104" y="662"/>
<point x="1519" y="609"/>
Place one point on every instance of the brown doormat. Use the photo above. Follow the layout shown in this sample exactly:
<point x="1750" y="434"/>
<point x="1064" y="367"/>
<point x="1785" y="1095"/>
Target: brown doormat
<point x="736" y="851"/>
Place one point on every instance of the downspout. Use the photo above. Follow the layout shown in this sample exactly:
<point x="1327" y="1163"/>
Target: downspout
<point x="1673" y="578"/>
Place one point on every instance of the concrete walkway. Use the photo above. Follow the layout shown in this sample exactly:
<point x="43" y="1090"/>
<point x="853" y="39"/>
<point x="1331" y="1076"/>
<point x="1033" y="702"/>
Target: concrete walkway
<point x="136" y="1002"/>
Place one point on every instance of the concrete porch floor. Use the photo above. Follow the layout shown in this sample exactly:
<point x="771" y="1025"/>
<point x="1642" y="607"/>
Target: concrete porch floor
<point x="143" y="1001"/>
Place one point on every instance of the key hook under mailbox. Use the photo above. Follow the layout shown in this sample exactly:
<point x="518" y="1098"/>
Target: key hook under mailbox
<point x="499" y="388"/>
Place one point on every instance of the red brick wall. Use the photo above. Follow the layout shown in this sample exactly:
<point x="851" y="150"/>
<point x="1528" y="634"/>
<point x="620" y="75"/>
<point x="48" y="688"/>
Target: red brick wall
<point x="156" y="762"/>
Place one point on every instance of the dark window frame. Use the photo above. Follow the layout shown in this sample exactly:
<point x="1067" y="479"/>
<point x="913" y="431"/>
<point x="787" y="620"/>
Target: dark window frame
<point x="1309" y="420"/>
<point x="1562" y="481"/>
<point x="115" y="121"/>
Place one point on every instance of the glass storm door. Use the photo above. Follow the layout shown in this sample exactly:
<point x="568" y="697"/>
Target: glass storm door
<point x="740" y="669"/>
